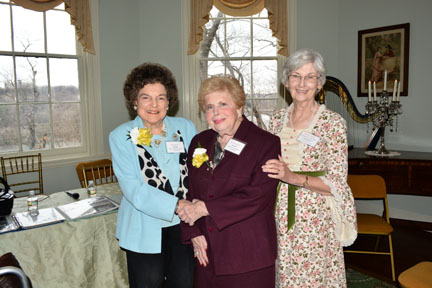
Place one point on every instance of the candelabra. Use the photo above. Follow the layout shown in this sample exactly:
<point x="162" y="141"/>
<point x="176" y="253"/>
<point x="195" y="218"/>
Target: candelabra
<point x="384" y="113"/>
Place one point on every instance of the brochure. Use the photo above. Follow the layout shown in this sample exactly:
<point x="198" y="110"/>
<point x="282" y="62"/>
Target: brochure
<point x="88" y="207"/>
<point x="44" y="216"/>
<point x="8" y="223"/>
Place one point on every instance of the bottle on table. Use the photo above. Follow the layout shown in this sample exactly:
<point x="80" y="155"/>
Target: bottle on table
<point x="32" y="204"/>
<point x="91" y="189"/>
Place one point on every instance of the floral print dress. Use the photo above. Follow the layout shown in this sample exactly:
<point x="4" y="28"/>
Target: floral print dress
<point x="310" y="254"/>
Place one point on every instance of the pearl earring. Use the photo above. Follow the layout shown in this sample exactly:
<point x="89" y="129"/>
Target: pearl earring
<point x="135" y="108"/>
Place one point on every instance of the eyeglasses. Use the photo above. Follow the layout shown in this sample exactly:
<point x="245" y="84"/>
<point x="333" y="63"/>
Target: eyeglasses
<point x="309" y="79"/>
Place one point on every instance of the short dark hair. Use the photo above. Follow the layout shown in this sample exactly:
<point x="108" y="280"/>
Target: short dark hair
<point x="148" y="73"/>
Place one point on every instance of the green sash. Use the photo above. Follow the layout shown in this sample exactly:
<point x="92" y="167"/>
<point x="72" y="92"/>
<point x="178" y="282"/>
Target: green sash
<point x="291" y="194"/>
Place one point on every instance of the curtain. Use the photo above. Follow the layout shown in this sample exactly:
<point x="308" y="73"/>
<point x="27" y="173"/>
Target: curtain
<point x="239" y="7"/>
<point x="277" y="11"/>
<point x="79" y="11"/>
<point x="200" y="10"/>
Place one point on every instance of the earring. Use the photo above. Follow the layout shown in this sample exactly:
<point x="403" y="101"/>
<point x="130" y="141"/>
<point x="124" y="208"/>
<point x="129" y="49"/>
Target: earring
<point x="135" y="108"/>
<point x="167" y="108"/>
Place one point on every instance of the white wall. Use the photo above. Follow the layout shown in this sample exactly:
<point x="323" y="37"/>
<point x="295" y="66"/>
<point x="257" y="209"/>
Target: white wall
<point x="120" y="36"/>
<point x="161" y="37"/>
<point x="133" y="32"/>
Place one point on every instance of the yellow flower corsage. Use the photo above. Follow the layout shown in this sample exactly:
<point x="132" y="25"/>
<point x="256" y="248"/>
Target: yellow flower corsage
<point x="140" y="136"/>
<point x="199" y="156"/>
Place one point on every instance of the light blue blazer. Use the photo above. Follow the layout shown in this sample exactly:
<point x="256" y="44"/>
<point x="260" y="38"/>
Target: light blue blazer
<point x="144" y="209"/>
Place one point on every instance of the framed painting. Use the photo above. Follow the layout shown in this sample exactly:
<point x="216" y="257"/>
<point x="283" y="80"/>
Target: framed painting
<point x="383" y="51"/>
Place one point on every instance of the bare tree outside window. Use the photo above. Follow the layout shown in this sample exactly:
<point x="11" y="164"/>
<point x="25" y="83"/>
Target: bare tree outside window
<point x="40" y="103"/>
<point x="244" y="48"/>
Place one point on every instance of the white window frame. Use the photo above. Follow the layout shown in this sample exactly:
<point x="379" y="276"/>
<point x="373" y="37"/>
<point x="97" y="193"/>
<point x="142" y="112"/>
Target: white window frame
<point x="91" y="109"/>
<point x="190" y="64"/>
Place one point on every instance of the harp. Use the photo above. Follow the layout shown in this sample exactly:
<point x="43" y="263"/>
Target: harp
<point x="338" y="87"/>
<point x="347" y="108"/>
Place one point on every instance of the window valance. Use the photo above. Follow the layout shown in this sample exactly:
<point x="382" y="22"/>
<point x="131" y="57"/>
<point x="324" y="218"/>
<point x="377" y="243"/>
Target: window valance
<point x="277" y="13"/>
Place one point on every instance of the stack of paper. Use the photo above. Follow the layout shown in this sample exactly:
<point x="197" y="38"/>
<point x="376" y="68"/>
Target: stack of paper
<point x="83" y="208"/>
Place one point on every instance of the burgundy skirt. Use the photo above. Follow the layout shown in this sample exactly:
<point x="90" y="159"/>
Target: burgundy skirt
<point x="262" y="278"/>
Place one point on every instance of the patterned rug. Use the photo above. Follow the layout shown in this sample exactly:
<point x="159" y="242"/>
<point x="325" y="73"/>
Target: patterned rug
<point x="359" y="280"/>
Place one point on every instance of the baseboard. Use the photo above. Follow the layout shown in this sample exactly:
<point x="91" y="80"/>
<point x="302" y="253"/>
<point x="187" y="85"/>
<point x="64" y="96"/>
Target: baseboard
<point x="411" y="223"/>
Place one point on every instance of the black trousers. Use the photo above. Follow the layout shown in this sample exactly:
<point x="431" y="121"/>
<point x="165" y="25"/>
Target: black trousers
<point x="175" y="264"/>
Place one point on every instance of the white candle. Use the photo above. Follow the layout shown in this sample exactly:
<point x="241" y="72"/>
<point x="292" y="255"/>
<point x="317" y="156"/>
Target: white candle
<point x="369" y="91"/>
<point x="398" y="92"/>
<point x="385" y="80"/>
<point x="374" y="88"/>
<point x="394" y="90"/>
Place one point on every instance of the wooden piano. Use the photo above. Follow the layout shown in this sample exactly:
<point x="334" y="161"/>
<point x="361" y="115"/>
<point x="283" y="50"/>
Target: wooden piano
<point x="409" y="174"/>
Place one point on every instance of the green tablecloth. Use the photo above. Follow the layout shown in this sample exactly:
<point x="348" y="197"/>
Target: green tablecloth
<point x="79" y="253"/>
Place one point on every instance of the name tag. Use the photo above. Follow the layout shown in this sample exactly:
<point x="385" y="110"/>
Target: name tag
<point x="175" y="147"/>
<point x="235" y="146"/>
<point x="308" y="139"/>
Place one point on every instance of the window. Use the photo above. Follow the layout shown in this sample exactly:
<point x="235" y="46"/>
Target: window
<point x="43" y="96"/>
<point x="244" y="48"/>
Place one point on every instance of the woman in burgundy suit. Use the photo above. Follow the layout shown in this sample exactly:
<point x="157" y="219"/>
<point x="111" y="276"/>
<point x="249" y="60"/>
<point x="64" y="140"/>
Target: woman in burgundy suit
<point x="230" y="222"/>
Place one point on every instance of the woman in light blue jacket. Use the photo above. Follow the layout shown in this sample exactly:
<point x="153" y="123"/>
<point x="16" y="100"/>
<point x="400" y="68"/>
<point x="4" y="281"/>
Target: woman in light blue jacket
<point x="149" y="156"/>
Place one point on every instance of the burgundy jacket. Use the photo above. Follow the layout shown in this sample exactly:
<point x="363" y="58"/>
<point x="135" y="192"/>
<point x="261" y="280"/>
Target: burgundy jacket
<point x="240" y="230"/>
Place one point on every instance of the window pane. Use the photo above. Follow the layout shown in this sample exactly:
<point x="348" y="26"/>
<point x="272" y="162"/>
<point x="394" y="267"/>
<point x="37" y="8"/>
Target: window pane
<point x="213" y="44"/>
<point x="5" y="31"/>
<point x="7" y="83"/>
<point x="67" y="125"/>
<point x="238" y="37"/>
<point x="64" y="79"/>
<point x="28" y="30"/>
<point x="9" y="141"/>
<point x="265" y="80"/>
<point x="259" y="111"/>
<point x="213" y="68"/>
<point x="264" y="44"/>
<point x="35" y="125"/>
<point x="60" y="33"/>
<point x="32" y="80"/>
<point x="241" y="70"/>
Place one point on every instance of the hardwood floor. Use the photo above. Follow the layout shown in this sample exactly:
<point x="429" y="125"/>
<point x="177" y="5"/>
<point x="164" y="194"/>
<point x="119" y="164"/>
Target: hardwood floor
<point x="411" y="245"/>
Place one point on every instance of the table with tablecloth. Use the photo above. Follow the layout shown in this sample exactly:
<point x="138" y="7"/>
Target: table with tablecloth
<point x="76" y="253"/>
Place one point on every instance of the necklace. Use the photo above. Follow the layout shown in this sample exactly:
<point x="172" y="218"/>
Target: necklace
<point x="313" y="110"/>
<point x="157" y="142"/>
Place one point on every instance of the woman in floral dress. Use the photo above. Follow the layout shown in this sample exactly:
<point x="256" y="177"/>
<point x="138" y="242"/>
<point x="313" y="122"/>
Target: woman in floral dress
<point x="313" y="166"/>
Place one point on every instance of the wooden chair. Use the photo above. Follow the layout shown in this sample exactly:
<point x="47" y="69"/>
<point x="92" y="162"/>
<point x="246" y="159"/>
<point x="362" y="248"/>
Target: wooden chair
<point x="372" y="187"/>
<point x="31" y="166"/>
<point x="100" y="171"/>
<point x="418" y="276"/>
